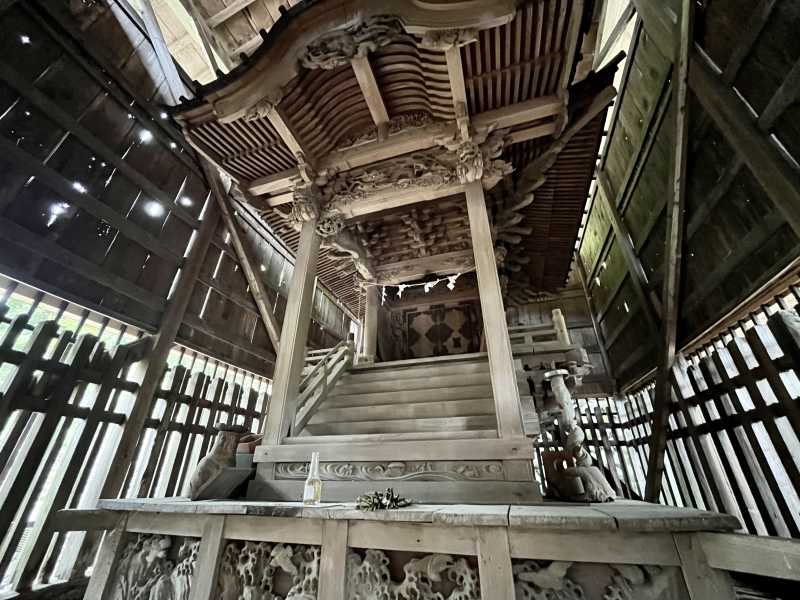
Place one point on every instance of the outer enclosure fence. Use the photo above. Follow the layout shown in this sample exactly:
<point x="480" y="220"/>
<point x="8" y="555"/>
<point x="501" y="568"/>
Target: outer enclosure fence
<point x="732" y="442"/>
<point x="68" y="379"/>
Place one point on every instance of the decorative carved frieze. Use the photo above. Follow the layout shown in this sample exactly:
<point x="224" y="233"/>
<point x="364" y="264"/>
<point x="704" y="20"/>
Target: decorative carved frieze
<point x="259" y="571"/>
<point x="397" y="470"/>
<point x="336" y="48"/>
<point x="432" y="577"/>
<point x="413" y="170"/>
<point x="145" y="571"/>
<point x="442" y="39"/>
<point x="403" y="122"/>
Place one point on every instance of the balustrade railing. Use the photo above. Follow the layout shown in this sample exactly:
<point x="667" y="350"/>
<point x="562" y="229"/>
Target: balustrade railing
<point x="316" y="384"/>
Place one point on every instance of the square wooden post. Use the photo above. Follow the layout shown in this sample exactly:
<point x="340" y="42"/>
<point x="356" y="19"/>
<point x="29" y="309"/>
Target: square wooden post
<point x="294" y="331"/>
<point x="495" y="329"/>
<point x="370" y="350"/>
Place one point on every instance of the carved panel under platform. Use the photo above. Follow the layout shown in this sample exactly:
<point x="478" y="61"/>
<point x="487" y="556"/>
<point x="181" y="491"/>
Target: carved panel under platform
<point x="155" y="567"/>
<point x="265" y="571"/>
<point x="474" y="470"/>
<point x="556" y="580"/>
<point x="432" y="577"/>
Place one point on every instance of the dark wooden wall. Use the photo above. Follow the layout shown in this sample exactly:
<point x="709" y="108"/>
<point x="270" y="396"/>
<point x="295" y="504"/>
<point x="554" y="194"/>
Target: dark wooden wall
<point x="100" y="195"/>
<point x="738" y="237"/>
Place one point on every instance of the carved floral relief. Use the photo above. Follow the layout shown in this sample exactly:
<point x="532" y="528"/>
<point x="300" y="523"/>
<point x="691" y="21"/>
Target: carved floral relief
<point x="397" y="471"/>
<point x="432" y="577"/>
<point x="265" y="571"/>
<point x="146" y="572"/>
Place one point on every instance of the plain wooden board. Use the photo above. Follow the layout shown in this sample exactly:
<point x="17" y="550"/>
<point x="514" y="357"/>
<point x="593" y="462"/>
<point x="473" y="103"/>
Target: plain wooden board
<point x="412" y="537"/>
<point x="484" y="492"/>
<point x="594" y="546"/>
<point x="273" y="529"/>
<point x="561" y="517"/>
<point x="413" y="450"/>
<point x="767" y="556"/>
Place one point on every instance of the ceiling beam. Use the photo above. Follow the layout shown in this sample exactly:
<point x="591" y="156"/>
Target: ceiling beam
<point x="226" y="13"/>
<point x="421" y="138"/>
<point x="439" y="264"/>
<point x="372" y="94"/>
<point x="459" y="90"/>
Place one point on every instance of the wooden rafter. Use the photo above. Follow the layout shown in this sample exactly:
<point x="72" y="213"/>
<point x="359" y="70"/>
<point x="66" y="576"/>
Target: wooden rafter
<point x="372" y="94"/>
<point x="455" y="72"/>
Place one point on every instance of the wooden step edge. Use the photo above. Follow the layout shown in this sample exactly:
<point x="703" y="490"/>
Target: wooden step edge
<point x="421" y="361"/>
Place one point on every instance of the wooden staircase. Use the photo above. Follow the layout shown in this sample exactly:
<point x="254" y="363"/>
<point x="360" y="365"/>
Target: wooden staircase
<point x="436" y="395"/>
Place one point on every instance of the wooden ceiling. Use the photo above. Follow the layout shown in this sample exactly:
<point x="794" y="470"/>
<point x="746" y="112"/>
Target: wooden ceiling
<point x="306" y="107"/>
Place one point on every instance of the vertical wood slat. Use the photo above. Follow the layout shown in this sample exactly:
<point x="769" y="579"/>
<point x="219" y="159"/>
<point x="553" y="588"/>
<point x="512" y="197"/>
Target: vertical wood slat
<point x="333" y="560"/>
<point x="494" y="564"/>
<point x="206" y="569"/>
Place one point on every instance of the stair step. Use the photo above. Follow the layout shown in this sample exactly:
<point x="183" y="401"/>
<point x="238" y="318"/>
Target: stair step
<point x="372" y="438"/>
<point x="404" y="425"/>
<point x="419" y="362"/>
<point x="350" y="384"/>
<point x="467" y="392"/>
<point x="412" y="410"/>
<point x="411" y="372"/>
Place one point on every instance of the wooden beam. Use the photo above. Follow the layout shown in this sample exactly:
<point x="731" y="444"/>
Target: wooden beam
<point x="70" y="191"/>
<point x="393" y="198"/>
<point x="372" y="94"/>
<point x="439" y="264"/>
<point x="625" y="243"/>
<point x="249" y="46"/>
<point x="422" y="138"/>
<point x="616" y="32"/>
<point x="204" y="33"/>
<point x="285" y="132"/>
<point x="779" y="179"/>
<point x="226" y="13"/>
<point x="174" y="82"/>
<point x="571" y="44"/>
<point x="765" y="556"/>
<point x="458" y="88"/>
<point x="156" y="360"/>
<point x="50" y="250"/>
<point x="95" y="144"/>
<point x="248" y="263"/>
<point x="672" y="256"/>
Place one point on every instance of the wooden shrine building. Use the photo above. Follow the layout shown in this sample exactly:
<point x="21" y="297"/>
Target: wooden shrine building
<point x="534" y="265"/>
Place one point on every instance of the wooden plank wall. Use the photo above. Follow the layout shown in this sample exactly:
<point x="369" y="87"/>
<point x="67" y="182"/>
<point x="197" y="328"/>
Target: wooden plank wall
<point x="101" y="195"/>
<point x="734" y="423"/>
<point x="737" y="240"/>
<point x="68" y="377"/>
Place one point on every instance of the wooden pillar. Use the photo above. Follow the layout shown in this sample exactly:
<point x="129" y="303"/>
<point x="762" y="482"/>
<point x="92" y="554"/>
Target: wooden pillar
<point x="672" y="257"/>
<point x="370" y="350"/>
<point x="291" y="355"/>
<point x="495" y="329"/>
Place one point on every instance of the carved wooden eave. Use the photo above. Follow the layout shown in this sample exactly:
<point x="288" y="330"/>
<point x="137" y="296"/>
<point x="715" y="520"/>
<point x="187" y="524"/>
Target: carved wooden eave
<point x="386" y="108"/>
<point x="278" y="59"/>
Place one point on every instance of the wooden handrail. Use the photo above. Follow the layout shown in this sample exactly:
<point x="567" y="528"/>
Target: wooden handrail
<point x="316" y="385"/>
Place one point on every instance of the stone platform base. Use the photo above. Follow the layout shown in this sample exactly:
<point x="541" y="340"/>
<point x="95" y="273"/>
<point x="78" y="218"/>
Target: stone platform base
<point x="176" y="548"/>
